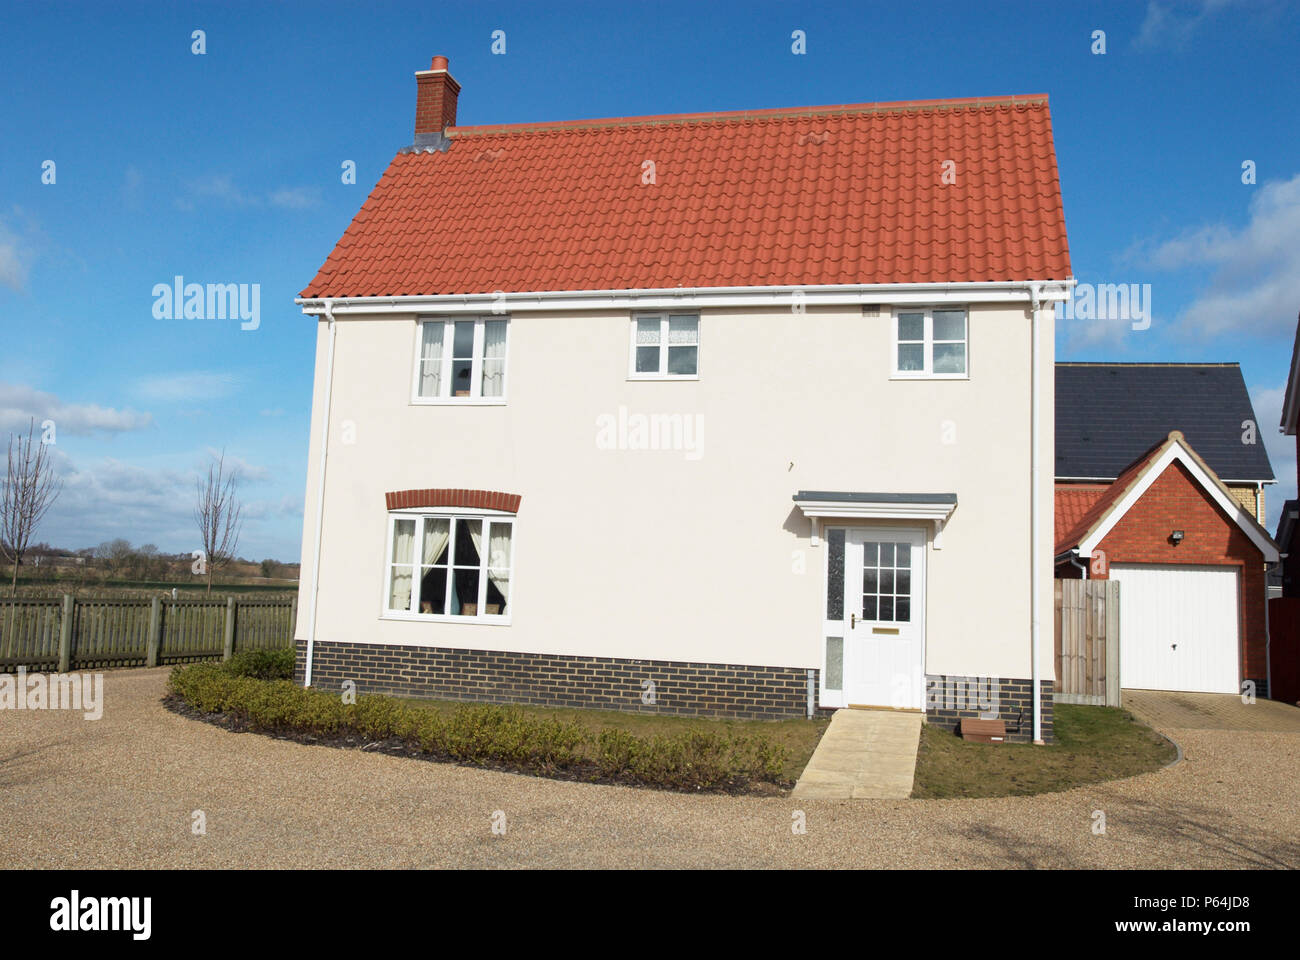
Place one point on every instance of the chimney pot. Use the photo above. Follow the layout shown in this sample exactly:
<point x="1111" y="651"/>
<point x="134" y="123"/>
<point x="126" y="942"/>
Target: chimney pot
<point x="436" y="92"/>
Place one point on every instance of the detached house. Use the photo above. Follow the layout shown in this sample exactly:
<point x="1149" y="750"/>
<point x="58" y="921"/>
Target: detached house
<point x="724" y="414"/>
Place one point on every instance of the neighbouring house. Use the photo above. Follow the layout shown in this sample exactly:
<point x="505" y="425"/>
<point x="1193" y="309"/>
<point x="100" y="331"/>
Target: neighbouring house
<point x="1284" y="622"/>
<point x="1186" y="546"/>
<point x="1110" y="414"/>
<point x="1287" y="540"/>
<point x="721" y="414"/>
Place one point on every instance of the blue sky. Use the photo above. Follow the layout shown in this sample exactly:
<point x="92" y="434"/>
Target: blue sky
<point x="225" y="167"/>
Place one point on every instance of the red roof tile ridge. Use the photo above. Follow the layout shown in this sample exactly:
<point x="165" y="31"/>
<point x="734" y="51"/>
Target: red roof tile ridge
<point x="775" y="113"/>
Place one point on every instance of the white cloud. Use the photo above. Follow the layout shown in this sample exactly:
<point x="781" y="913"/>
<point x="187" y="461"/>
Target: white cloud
<point x="194" y="385"/>
<point x="15" y="259"/>
<point x="222" y="189"/>
<point x="1253" y="269"/>
<point x="295" y="198"/>
<point x="110" y="498"/>
<point x="238" y="465"/>
<point x="20" y="404"/>
<point x="1174" y="23"/>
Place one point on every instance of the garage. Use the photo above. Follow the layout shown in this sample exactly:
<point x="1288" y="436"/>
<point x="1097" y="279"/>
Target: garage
<point x="1179" y="627"/>
<point x="1191" y="559"/>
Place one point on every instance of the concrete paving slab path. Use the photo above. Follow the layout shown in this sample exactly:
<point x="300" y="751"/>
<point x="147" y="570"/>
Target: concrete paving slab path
<point x="864" y="754"/>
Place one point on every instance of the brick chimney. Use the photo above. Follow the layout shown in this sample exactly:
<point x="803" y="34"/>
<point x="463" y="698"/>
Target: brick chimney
<point x="435" y="99"/>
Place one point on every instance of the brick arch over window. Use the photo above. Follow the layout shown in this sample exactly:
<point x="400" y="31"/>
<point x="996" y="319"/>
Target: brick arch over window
<point x="474" y="499"/>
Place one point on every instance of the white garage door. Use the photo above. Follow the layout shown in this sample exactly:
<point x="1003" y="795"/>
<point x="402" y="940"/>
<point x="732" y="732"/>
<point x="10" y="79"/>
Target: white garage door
<point x="1178" y="627"/>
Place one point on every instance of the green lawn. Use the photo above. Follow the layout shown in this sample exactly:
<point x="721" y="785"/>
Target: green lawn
<point x="1092" y="744"/>
<point x="799" y="737"/>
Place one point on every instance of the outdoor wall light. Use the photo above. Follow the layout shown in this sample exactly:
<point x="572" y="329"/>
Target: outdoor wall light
<point x="1176" y="537"/>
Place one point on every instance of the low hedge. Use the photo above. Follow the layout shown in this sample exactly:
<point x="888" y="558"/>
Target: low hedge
<point x="263" y="664"/>
<point x="488" y="735"/>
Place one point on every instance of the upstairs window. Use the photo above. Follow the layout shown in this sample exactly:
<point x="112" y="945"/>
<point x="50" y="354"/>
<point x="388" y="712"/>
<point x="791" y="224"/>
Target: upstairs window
<point x="462" y="360"/>
<point x="931" y="342"/>
<point x="665" y="346"/>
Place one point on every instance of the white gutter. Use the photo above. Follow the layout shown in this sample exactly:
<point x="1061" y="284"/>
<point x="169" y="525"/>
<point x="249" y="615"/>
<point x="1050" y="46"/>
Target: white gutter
<point x="1034" y="617"/>
<point x="844" y="294"/>
<point x="320" y="494"/>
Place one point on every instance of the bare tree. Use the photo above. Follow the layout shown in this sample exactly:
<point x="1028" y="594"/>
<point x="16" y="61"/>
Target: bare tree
<point x="30" y="489"/>
<point x="116" y="556"/>
<point x="218" y="515"/>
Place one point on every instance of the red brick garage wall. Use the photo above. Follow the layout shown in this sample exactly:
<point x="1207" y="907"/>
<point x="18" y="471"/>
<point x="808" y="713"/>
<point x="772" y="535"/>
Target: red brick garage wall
<point x="1176" y="502"/>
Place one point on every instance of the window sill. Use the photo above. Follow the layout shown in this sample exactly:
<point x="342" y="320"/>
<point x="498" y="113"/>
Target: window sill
<point x="443" y="618"/>
<point x="656" y="376"/>
<point x="458" y="401"/>
<point x="930" y="376"/>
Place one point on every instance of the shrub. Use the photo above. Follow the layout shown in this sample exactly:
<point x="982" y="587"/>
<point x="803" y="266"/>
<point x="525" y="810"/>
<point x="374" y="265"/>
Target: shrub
<point x="262" y="664"/>
<point x="691" y="760"/>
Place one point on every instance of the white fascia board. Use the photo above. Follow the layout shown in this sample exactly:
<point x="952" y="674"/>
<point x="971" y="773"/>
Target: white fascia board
<point x="1230" y="506"/>
<point x="857" y="510"/>
<point x="791" y="297"/>
<point x="818" y="510"/>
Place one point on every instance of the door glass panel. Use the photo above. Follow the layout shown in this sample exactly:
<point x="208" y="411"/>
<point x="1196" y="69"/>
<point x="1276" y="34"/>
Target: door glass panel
<point x="834" y="663"/>
<point x="835" y="575"/>
<point x="887" y="582"/>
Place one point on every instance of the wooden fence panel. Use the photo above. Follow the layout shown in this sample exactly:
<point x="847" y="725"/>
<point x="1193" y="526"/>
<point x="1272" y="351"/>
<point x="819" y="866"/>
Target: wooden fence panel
<point x="117" y="633"/>
<point x="1087" y="641"/>
<point x="192" y="630"/>
<point x="109" y="633"/>
<point x="29" y="632"/>
<point x="263" y="624"/>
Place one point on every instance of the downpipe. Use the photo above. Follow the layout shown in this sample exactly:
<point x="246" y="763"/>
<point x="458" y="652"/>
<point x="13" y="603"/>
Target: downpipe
<point x="1034" y="515"/>
<point x="320" y="495"/>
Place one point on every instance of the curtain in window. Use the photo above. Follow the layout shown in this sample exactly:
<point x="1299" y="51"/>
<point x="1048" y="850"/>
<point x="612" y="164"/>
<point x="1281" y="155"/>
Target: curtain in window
<point x="399" y="595"/>
<point x="436" y="535"/>
<point x="431" y="359"/>
<point x="498" y="556"/>
<point x="494" y="358"/>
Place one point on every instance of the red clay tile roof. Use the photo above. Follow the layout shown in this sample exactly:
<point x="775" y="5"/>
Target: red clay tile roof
<point x="1068" y="539"/>
<point x="1073" y="501"/>
<point x="818" y="195"/>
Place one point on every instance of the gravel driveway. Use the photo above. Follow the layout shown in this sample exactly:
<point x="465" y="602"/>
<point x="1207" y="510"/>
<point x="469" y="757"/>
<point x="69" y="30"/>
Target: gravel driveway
<point x="121" y="791"/>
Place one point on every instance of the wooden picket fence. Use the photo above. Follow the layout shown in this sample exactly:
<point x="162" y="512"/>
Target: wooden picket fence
<point x="1087" y="642"/>
<point x="51" y="633"/>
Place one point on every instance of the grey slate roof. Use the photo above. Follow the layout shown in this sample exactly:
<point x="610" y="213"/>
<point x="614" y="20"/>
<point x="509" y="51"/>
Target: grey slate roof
<point x="1109" y="414"/>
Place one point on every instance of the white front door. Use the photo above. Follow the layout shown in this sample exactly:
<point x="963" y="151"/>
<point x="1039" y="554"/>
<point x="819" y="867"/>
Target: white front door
<point x="1178" y="627"/>
<point x="884" y="617"/>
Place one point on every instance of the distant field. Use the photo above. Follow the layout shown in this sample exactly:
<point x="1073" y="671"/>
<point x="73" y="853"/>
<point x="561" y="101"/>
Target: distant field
<point x="134" y="589"/>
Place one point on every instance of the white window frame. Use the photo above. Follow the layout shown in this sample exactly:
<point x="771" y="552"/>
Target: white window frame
<point x="476" y="370"/>
<point x="662" y="373"/>
<point x="927" y="343"/>
<point x="451" y="514"/>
